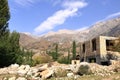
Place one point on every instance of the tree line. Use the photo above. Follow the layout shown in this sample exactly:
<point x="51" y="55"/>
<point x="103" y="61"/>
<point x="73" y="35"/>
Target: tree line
<point x="10" y="50"/>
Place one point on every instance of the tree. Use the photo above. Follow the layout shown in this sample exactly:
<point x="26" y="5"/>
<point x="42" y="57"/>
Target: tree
<point x="68" y="56"/>
<point x="10" y="51"/>
<point x="74" y="50"/>
<point x="4" y="17"/>
<point x="56" y="51"/>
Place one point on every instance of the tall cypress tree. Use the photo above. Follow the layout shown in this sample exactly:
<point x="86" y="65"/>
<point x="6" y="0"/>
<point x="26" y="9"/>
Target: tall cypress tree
<point x="56" y="51"/>
<point x="68" y="56"/>
<point x="4" y="17"/>
<point x="74" y="50"/>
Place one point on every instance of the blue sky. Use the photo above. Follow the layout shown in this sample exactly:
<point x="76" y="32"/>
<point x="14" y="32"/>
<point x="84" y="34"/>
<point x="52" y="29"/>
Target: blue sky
<point x="41" y="16"/>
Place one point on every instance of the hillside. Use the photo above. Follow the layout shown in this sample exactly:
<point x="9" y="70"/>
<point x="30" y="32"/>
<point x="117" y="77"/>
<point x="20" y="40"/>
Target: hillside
<point x="65" y="37"/>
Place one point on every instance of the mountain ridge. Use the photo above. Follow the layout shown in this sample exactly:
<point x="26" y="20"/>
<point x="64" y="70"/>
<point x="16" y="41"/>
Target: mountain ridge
<point x="105" y="28"/>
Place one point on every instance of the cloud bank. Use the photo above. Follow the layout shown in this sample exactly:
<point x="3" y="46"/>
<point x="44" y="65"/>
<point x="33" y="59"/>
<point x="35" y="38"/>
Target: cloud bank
<point x="70" y="9"/>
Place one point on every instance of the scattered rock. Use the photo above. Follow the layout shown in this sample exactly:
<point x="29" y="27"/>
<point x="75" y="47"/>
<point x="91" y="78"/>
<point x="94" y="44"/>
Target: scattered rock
<point x="46" y="74"/>
<point x="70" y="75"/>
<point x="21" y="78"/>
<point x="12" y="78"/>
<point x="22" y="72"/>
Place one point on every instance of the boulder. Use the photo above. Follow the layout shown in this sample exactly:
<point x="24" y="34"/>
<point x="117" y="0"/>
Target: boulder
<point x="12" y="78"/>
<point x="27" y="68"/>
<point x="14" y="66"/>
<point x="22" y="67"/>
<point x="70" y="75"/>
<point x="22" y="72"/>
<point x="83" y="68"/>
<point x="12" y="72"/>
<point x="21" y="78"/>
<point x="46" y="74"/>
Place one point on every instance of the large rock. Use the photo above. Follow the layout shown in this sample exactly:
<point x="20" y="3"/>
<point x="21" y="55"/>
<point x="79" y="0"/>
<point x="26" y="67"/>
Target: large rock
<point x="82" y="68"/>
<point x="46" y="74"/>
<point x="12" y="78"/>
<point x="4" y="71"/>
<point x="27" y="68"/>
<point x="22" y="72"/>
<point x="70" y="75"/>
<point x="22" y="67"/>
<point x="14" y="66"/>
<point x="21" y="78"/>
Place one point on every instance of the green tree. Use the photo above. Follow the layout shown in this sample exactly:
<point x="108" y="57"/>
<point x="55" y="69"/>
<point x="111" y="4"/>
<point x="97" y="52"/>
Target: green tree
<point x="74" y="50"/>
<point x="56" y="51"/>
<point x="68" y="56"/>
<point x="4" y="17"/>
<point x="9" y="47"/>
<point x="10" y="51"/>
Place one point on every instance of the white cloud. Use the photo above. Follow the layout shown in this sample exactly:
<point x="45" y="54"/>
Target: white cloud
<point x="74" y="4"/>
<point x="25" y="2"/>
<point x="58" y="18"/>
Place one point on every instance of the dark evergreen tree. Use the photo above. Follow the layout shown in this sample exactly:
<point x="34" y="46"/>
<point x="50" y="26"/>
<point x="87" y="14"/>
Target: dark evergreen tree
<point x="74" y="50"/>
<point x="56" y="51"/>
<point x="4" y="17"/>
<point x="10" y="51"/>
<point x="68" y="56"/>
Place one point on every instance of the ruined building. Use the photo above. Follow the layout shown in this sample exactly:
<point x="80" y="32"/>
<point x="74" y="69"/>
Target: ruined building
<point x="95" y="50"/>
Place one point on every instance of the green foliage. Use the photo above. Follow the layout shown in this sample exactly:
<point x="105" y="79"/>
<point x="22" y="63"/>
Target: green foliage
<point x="54" y="53"/>
<point x="39" y="59"/>
<point x="84" y="69"/>
<point x="10" y="51"/>
<point x="24" y="57"/>
<point x="60" y="72"/>
<point x="63" y="60"/>
<point x="74" y="50"/>
<point x="69" y="56"/>
<point x="4" y="17"/>
<point x="8" y="48"/>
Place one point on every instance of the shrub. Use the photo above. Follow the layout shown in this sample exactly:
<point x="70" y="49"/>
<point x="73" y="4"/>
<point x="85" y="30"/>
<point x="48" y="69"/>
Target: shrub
<point x="63" y="59"/>
<point x="60" y="72"/>
<point x="39" y="58"/>
<point x="83" y="68"/>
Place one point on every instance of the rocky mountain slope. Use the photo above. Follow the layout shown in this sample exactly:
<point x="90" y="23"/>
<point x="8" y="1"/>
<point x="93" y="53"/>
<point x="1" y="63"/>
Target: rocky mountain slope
<point x="105" y="28"/>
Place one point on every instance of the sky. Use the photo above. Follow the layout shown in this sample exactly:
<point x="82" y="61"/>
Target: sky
<point x="42" y="16"/>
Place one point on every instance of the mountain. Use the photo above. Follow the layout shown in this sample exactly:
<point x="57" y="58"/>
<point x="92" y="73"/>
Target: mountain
<point x="65" y="37"/>
<point x="26" y="39"/>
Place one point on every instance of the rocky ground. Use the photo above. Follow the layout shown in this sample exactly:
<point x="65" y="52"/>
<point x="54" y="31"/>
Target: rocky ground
<point x="56" y="71"/>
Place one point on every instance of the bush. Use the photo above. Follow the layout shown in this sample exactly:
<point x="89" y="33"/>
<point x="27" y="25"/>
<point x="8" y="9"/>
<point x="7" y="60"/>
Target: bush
<point x="60" y="72"/>
<point x="39" y="58"/>
<point x="63" y="60"/>
<point x="83" y="68"/>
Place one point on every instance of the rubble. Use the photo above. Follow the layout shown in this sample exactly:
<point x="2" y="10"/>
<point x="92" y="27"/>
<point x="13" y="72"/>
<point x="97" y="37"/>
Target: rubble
<point x="48" y="70"/>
